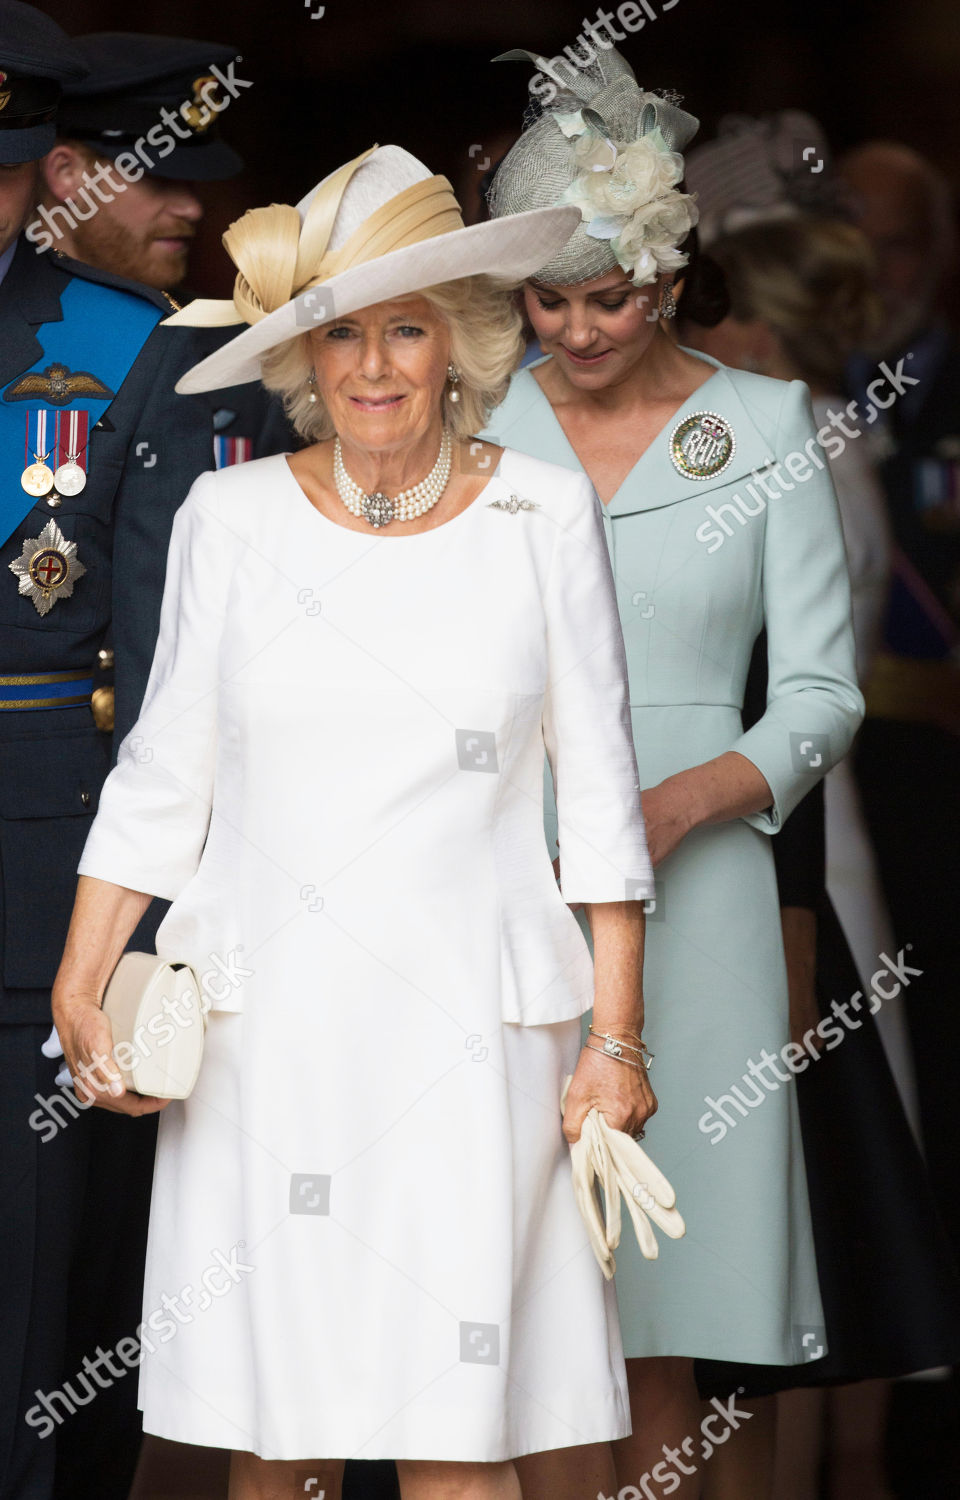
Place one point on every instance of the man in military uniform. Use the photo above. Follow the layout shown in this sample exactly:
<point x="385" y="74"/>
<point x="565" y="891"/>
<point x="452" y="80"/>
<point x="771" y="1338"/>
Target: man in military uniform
<point x="152" y="105"/>
<point x="134" y="139"/>
<point x="96" y="453"/>
<point x="909" y="754"/>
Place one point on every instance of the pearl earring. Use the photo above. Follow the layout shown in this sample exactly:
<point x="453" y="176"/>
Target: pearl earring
<point x="453" y="375"/>
<point x="312" y="383"/>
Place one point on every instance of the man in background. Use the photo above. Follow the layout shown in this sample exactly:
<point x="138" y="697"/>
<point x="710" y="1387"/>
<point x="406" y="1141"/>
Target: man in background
<point x="135" y="139"/>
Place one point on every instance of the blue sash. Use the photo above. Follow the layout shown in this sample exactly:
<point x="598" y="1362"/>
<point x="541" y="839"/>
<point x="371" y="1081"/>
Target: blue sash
<point x="100" y="335"/>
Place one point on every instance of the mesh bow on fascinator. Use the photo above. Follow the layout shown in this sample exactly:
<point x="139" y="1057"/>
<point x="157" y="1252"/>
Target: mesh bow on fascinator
<point x="613" y="150"/>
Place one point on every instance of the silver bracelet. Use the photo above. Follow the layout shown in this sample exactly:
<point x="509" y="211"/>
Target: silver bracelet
<point x="613" y="1046"/>
<point x="615" y="1055"/>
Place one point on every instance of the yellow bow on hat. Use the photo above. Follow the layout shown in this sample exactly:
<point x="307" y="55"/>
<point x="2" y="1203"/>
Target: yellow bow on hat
<point x="277" y="259"/>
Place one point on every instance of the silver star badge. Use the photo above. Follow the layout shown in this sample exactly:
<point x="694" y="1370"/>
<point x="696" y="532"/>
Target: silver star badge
<point x="513" y="505"/>
<point x="47" y="568"/>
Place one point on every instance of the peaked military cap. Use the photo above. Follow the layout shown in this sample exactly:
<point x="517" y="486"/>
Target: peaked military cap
<point x="132" y="79"/>
<point x="36" y="60"/>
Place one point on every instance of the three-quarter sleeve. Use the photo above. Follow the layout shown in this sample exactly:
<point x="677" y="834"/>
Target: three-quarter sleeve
<point x="154" y="810"/>
<point x="586" y="717"/>
<point x="814" y="706"/>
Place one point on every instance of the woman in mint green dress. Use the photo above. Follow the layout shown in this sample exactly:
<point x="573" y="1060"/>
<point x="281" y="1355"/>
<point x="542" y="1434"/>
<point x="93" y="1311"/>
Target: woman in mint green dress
<point x="720" y="520"/>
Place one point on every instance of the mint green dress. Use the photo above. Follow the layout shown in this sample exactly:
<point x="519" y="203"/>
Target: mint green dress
<point x="701" y="566"/>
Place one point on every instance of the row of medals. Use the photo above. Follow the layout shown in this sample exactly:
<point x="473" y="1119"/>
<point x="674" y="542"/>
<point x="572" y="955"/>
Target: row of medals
<point x="38" y="479"/>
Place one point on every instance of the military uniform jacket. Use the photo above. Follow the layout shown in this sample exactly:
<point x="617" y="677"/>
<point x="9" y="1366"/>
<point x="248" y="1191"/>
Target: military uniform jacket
<point x="143" y="456"/>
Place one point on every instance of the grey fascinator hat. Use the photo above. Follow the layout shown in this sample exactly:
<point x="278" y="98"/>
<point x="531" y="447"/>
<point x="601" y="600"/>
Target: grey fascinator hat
<point x="612" y="150"/>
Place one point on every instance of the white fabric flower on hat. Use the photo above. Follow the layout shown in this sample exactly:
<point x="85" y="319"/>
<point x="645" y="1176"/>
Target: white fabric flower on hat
<point x="626" y="193"/>
<point x="653" y="232"/>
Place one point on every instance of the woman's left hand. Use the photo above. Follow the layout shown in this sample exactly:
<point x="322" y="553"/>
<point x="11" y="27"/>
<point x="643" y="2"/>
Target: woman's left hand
<point x="666" y="813"/>
<point x="718" y="791"/>
<point x="621" y="1094"/>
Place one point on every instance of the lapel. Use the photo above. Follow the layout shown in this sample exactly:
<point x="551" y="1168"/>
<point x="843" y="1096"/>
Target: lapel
<point x="29" y="296"/>
<point x="653" y="482"/>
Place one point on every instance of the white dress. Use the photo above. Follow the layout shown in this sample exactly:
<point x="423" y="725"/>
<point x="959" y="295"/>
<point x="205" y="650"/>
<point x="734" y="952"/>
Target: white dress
<point x="336" y="777"/>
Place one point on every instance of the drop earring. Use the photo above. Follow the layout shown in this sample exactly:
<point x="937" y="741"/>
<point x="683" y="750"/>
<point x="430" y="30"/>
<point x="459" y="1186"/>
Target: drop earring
<point x="453" y="375"/>
<point x="668" y="302"/>
<point x="312" y="383"/>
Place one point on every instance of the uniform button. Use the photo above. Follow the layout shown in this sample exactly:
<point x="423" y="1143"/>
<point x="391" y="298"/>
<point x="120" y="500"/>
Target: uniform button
<point x="54" y="501"/>
<point x="85" y="798"/>
<point x="105" y="658"/>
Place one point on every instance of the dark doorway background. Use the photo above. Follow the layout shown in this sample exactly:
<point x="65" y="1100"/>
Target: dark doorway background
<point x="418" y="73"/>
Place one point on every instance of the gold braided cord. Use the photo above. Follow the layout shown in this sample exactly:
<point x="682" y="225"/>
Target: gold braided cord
<point x="70" y="702"/>
<point x="277" y="259"/>
<point x="42" y="677"/>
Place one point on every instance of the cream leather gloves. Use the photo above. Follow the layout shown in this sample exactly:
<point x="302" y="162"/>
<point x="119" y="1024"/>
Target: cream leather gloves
<point x="621" y="1167"/>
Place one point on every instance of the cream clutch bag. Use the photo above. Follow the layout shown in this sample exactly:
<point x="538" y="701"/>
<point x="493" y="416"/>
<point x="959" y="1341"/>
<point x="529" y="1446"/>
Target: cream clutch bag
<point x="157" y="1017"/>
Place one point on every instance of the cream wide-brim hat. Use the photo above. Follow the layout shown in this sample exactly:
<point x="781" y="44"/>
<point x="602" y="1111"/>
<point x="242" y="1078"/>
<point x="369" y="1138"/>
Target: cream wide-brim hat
<point x="382" y="226"/>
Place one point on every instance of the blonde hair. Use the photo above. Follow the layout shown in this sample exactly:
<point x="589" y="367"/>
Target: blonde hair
<point x="810" y="281"/>
<point x="486" y="345"/>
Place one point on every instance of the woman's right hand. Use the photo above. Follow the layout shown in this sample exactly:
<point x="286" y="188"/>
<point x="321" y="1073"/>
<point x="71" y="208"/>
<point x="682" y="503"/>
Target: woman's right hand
<point x="87" y="1041"/>
<point x="104" y="916"/>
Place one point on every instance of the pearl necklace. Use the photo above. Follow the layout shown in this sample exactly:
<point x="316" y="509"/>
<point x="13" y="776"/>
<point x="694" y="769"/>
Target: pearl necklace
<point x="377" y="508"/>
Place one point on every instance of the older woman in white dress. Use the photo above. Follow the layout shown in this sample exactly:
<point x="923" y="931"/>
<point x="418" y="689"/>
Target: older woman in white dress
<point x="363" y="1221"/>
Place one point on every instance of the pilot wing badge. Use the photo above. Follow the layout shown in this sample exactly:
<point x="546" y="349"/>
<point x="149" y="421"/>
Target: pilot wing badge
<point x="58" y="385"/>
